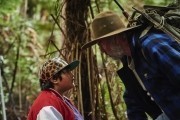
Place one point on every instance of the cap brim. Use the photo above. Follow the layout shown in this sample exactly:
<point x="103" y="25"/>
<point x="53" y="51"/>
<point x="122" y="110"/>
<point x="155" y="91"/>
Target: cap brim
<point x="94" y="41"/>
<point x="72" y="65"/>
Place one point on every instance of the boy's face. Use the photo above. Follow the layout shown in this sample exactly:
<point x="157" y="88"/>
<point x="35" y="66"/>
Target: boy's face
<point x="67" y="81"/>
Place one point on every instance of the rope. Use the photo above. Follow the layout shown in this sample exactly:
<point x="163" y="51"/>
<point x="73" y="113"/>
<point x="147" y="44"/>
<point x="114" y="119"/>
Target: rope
<point x="161" y="24"/>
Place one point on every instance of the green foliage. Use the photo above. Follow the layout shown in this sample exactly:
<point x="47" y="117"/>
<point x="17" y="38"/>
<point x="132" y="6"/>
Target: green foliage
<point x="158" y="2"/>
<point x="8" y="5"/>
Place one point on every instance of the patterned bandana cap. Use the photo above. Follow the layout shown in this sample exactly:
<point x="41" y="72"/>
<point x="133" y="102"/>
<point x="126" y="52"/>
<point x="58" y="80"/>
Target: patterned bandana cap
<point x="53" y="66"/>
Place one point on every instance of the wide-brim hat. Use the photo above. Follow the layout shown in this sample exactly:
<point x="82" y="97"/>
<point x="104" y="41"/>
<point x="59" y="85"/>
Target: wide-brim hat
<point x="106" y="24"/>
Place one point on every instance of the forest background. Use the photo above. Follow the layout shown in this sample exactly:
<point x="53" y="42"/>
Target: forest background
<point x="32" y="31"/>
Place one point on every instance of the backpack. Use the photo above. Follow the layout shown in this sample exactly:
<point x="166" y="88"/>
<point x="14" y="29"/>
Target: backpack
<point x="166" y="19"/>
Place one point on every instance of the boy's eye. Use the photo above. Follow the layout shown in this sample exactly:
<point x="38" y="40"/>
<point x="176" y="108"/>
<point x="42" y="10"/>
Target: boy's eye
<point x="66" y="71"/>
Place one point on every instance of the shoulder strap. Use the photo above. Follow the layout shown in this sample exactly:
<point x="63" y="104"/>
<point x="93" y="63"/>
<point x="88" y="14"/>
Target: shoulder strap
<point x="145" y="31"/>
<point x="137" y="41"/>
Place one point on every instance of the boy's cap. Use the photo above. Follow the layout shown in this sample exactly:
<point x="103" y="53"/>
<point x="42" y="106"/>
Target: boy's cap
<point x="53" y="66"/>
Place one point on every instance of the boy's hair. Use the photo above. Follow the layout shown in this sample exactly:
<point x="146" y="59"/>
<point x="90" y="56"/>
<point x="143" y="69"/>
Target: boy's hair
<point x="46" y="84"/>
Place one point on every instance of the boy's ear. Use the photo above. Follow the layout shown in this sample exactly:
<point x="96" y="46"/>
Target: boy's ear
<point x="54" y="80"/>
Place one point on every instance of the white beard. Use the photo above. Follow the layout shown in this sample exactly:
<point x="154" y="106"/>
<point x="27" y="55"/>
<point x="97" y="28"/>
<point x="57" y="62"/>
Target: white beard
<point x="116" y="53"/>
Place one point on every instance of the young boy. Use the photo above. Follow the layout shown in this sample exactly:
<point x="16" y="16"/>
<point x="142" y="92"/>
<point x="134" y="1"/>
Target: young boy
<point x="55" y="79"/>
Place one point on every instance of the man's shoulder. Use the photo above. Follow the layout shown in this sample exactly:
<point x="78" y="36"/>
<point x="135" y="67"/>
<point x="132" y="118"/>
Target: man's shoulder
<point x="154" y="38"/>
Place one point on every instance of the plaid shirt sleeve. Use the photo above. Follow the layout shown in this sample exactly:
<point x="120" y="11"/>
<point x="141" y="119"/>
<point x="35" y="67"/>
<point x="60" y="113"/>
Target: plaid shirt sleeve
<point x="164" y="53"/>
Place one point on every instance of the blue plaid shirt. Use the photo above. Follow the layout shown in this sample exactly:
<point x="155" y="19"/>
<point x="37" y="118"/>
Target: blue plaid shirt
<point x="157" y="62"/>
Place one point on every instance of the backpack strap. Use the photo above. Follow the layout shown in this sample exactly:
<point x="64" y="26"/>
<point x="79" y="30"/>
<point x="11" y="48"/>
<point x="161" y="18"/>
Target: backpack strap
<point x="132" y="67"/>
<point x="137" y="41"/>
<point x="145" y="31"/>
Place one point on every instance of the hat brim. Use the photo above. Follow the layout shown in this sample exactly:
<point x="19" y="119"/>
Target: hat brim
<point x="94" y="41"/>
<point x="72" y="65"/>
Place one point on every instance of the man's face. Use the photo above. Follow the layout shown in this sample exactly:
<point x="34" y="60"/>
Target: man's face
<point x="113" y="46"/>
